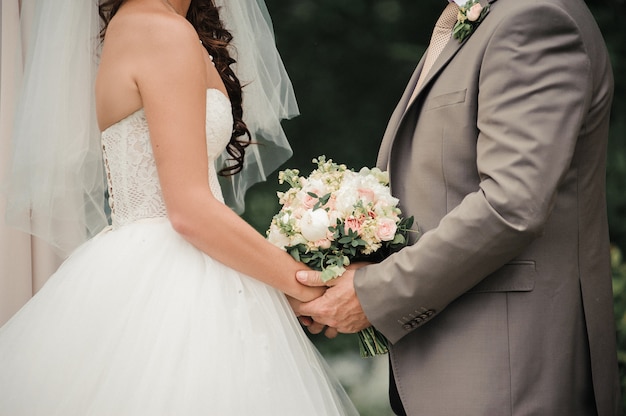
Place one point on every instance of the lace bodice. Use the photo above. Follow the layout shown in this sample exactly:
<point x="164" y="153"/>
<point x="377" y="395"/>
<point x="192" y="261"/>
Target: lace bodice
<point x="134" y="189"/>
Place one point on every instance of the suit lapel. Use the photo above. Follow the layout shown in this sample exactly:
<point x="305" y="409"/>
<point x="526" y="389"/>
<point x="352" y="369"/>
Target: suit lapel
<point x="396" y="117"/>
<point x="449" y="51"/>
<point x="404" y="106"/>
<point x="451" y="48"/>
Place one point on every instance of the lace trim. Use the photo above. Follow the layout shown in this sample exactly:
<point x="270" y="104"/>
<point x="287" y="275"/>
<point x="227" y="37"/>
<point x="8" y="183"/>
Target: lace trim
<point x="134" y="188"/>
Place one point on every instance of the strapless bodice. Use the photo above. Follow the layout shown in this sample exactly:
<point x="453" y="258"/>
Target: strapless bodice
<point x="134" y="188"/>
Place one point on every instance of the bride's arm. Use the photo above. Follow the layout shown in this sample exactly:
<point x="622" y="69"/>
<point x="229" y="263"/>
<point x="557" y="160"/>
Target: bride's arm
<point x="172" y="78"/>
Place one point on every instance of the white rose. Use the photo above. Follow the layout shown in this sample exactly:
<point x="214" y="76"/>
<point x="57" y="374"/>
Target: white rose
<point x="347" y="197"/>
<point x="276" y="237"/>
<point x="314" y="224"/>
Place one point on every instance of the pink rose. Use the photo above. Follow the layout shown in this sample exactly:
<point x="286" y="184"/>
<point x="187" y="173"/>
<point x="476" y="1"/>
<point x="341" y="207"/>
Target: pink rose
<point x="386" y="229"/>
<point x="367" y="195"/>
<point x="353" y="223"/>
<point x="309" y="201"/>
<point x="474" y="12"/>
<point x="323" y="244"/>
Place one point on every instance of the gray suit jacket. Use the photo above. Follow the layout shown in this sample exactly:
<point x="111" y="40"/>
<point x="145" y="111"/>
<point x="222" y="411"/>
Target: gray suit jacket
<point x="504" y="304"/>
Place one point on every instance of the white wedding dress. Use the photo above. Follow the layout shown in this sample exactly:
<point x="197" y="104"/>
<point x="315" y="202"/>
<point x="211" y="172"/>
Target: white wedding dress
<point x="137" y="321"/>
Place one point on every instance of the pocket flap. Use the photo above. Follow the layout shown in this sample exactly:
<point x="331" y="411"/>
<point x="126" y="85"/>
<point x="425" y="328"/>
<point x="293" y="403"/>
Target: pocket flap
<point x="443" y="100"/>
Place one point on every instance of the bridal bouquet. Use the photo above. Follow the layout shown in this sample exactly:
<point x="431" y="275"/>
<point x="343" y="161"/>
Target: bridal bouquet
<point x="336" y="216"/>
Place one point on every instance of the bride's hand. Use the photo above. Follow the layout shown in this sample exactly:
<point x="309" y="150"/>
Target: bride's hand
<point x="308" y="293"/>
<point x="305" y="293"/>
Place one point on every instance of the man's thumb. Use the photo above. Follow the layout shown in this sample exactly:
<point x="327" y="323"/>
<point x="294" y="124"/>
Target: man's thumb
<point x="309" y="278"/>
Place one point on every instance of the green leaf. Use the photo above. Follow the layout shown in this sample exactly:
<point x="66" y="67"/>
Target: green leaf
<point x="398" y="240"/>
<point x="324" y="199"/>
<point x="331" y="272"/>
<point x="345" y="240"/>
<point x="295" y="253"/>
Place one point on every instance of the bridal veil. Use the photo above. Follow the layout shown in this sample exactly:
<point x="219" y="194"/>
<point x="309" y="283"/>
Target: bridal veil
<point x="56" y="186"/>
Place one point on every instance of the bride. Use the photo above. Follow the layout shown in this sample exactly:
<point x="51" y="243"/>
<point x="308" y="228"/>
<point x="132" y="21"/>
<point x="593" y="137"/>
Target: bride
<point x="176" y="308"/>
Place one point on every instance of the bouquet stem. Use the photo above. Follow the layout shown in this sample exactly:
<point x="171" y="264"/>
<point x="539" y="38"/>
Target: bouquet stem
<point x="372" y="343"/>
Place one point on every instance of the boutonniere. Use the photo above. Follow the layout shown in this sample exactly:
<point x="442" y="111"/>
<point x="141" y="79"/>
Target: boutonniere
<point x="470" y="16"/>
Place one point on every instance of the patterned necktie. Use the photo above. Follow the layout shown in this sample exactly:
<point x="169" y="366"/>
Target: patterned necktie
<point x="439" y="39"/>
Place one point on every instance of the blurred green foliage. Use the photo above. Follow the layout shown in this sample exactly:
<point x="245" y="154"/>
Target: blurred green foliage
<point x="619" y="295"/>
<point x="610" y="15"/>
<point x="349" y="62"/>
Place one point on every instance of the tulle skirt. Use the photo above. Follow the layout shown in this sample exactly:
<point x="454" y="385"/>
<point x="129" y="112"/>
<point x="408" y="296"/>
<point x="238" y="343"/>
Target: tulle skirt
<point x="139" y="322"/>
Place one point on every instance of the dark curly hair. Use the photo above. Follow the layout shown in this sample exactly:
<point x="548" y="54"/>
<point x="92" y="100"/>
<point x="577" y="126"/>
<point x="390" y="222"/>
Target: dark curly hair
<point x="204" y="16"/>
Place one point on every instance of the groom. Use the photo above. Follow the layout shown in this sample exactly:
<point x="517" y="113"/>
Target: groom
<point x="497" y="148"/>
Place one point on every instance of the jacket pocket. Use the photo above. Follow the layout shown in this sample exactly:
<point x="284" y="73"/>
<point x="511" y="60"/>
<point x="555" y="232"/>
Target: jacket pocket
<point x="443" y="100"/>
<point x="516" y="276"/>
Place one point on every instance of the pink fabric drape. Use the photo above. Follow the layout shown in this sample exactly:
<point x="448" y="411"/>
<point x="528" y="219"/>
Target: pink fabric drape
<point x="25" y="262"/>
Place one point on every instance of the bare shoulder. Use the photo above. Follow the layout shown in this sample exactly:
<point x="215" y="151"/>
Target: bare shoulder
<point x="140" y="30"/>
<point x="146" y="46"/>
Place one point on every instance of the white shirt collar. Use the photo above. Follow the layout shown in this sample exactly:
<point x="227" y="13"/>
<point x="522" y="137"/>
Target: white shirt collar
<point x="458" y="2"/>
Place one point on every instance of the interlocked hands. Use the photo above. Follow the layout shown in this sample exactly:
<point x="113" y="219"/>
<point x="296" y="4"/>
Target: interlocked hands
<point x="338" y="310"/>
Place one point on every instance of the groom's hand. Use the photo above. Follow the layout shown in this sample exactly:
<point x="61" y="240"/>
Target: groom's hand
<point x="338" y="308"/>
<point x="312" y="326"/>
